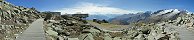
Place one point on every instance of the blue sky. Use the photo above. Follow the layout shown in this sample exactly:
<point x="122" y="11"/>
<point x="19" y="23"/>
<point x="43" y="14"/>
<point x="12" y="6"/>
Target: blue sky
<point x="105" y="6"/>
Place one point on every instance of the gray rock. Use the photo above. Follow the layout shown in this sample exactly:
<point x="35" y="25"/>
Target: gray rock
<point x="73" y="39"/>
<point x="117" y="38"/>
<point x="58" y="28"/>
<point x="60" y="38"/>
<point x="150" y="37"/>
<point x="140" y="37"/>
<point x="74" y="22"/>
<point x="52" y="33"/>
<point x="88" y="36"/>
<point x="107" y="36"/>
<point x="91" y="30"/>
<point x="53" y="21"/>
<point x="67" y="33"/>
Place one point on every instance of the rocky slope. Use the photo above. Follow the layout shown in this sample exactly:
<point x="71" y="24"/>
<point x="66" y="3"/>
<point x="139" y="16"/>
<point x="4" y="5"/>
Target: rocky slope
<point x="74" y="28"/>
<point x="130" y="18"/>
<point x="186" y="20"/>
<point x="14" y="19"/>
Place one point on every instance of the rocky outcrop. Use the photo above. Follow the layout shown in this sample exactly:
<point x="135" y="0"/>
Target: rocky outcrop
<point x="15" y="19"/>
<point x="68" y="26"/>
<point x="186" y="20"/>
<point x="76" y="28"/>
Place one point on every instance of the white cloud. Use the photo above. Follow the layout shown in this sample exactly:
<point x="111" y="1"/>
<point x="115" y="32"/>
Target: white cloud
<point x="94" y="9"/>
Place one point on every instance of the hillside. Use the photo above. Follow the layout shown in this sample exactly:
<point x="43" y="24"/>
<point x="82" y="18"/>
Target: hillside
<point x="15" y="19"/>
<point x="74" y="28"/>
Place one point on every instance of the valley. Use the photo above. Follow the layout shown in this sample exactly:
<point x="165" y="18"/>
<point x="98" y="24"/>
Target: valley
<point x="108" y="26"/>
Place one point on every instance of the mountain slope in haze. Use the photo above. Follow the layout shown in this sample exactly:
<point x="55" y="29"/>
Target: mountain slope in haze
<point x="127" y="18"/>
<point x="149" y="17"/>
<point x="102" y="16"/>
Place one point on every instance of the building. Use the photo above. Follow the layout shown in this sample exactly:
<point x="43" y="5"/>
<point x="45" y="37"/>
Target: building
<point x="80" y="15"/>
<point x="54" y="13"/>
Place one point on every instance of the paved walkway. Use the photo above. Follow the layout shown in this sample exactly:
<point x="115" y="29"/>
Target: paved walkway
<point x="184" y="33"/>
<point x="34" y="32"/>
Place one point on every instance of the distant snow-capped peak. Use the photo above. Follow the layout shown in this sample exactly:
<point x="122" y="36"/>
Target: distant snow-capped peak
<point x="171" y="11"/>
<point x="167" y="11"/>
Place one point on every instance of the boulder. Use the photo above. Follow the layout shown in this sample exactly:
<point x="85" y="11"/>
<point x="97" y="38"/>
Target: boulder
<point x="57" y="28"/>
<point x="74" y="22"/>
<point x="73" y="39"/>
<point x="166" y="37"/>
<point x="52" y="33"/>
<point x="67" y="33"/>
<point x="53" y="21"/>
<point x="117" y="38"/>
<point x="60" y="38"/>
<point x="151" y="37"/>
<point x="107" y="36"/>
<point x="140" y="37"/>
<point x="91" y="30"/>
<point x="88" y="36"/>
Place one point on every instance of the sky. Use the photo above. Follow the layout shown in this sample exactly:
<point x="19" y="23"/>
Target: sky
<point x="105" y="6"/>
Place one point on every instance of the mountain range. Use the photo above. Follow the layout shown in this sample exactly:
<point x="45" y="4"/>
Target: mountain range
<point x="102" y="16"/>
<point x="149" y="16"/>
